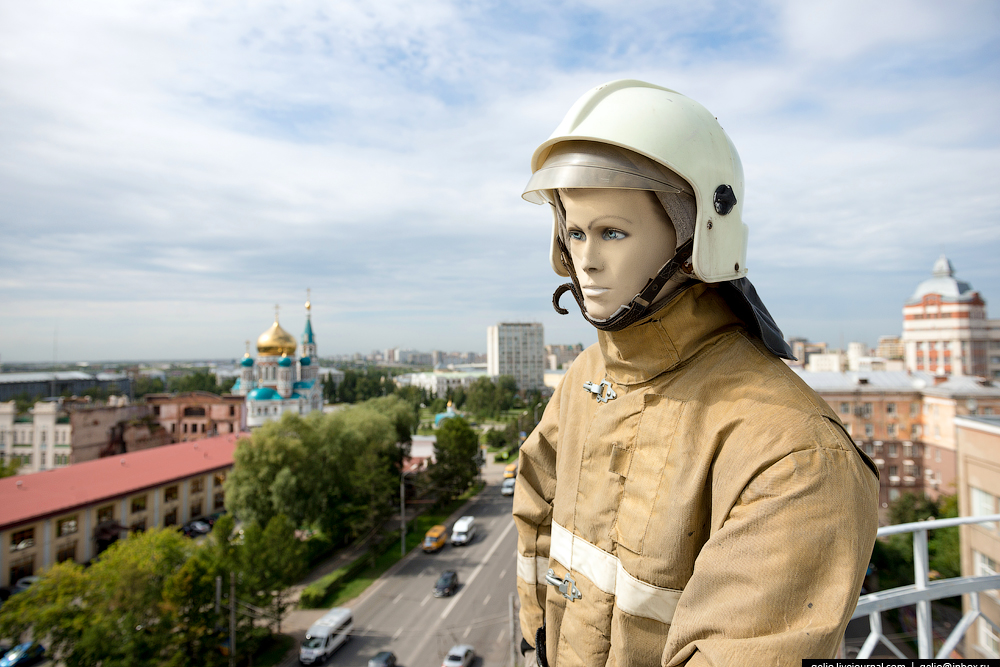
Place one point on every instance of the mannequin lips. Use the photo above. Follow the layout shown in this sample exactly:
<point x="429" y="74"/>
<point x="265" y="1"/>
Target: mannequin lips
<point x="593" y="290"/>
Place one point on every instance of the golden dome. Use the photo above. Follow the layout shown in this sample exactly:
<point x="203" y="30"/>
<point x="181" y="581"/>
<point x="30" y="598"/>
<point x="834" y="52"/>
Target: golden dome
<point x="276" y="342"/>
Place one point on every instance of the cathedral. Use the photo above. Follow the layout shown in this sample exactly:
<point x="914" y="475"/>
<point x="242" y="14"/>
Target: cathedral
<point x="278" y="381"/>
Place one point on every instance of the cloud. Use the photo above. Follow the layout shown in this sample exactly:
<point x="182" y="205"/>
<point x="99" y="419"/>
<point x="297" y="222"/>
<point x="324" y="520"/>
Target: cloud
<point x="167" y="172"/>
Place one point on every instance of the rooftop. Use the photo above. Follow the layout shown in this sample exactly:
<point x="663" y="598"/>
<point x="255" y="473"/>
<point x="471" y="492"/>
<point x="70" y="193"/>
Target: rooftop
<point x="53" y="492"/>
<point x="898" y="381"/>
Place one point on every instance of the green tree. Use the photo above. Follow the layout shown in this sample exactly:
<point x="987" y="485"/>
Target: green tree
<point x="199" y="380"/>
<point x="9" y="469"/>
<point x="145" y="384"/>
<point x="457" y="459"/>
<point x="943" y="546"/>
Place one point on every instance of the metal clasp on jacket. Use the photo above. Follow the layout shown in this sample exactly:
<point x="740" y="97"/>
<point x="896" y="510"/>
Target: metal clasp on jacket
<point x="566" y="586"/>
<point x="598" y="390"/>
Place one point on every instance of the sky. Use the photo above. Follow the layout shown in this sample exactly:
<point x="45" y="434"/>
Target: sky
<point x="171" y="171"/>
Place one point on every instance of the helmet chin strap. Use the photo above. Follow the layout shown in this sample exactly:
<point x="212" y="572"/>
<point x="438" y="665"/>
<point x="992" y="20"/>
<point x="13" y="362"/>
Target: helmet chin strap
<point x="635" y="309"/>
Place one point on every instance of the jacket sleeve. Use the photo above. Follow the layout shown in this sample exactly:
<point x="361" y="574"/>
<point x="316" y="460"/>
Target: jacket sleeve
<point x="533" y="494"/>
<point x="778" y="579"/>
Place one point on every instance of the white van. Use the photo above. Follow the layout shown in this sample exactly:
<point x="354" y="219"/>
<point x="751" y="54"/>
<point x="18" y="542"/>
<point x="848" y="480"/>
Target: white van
<point x="464" y="530"/>
<point x="326" y="635"/>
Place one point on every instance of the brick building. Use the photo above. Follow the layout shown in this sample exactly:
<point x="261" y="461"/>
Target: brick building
<point x="194" y="415"/>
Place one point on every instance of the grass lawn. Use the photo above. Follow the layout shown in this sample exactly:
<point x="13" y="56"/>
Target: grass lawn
<point x="354" y="586"/>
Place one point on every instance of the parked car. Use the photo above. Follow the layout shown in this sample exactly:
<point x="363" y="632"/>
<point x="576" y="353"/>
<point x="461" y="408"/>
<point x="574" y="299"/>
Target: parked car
<point x="446" y="584"/>
<point x="510" y="471"/>
<point x="435" y="538"/>
<point x="383" y="659"/>
<point x="463" y="531"/>
<point x="196" y="528"/>
<point x="23" y="584"/>
<point x="459" y="656"/>
<point x="507" y="487"/>
<point x="29" y="653"/>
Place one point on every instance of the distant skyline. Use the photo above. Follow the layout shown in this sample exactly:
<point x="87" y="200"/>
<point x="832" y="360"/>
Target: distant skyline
<point x="169" y="172"/>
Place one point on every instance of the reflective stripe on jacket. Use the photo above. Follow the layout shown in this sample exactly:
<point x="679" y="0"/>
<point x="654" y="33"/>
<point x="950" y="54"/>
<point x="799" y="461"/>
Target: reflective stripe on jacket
<point x="714" y="512"/>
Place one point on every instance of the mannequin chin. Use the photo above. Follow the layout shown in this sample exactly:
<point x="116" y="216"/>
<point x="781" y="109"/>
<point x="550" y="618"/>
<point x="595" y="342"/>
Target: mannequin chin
<point x="618" y="240"/>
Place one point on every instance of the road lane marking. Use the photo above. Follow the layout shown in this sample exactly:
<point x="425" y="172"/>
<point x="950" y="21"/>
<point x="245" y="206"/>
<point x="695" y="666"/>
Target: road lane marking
<point x="398" y="633"/>
<point x="502" y="572"/>
<point x="467" y="631"/>
<point x="425" y="570"/>
<point x="475" y="573"/>
<point x="486" y="599"/>
<point x="398" y="598"/>
<point x="500" y="637"/>
<point x="490" y="524"/>
<point x="425" y="600"/>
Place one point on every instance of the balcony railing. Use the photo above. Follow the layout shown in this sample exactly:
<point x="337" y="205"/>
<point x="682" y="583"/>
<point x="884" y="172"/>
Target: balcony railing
<point x="923" y="592"/>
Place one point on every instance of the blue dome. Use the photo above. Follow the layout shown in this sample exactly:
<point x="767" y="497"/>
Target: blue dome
<point x="305" y="361"/>
<point x="247" y="362"/>
<point x="263" y="394"/>
<point x="285" y="362"/>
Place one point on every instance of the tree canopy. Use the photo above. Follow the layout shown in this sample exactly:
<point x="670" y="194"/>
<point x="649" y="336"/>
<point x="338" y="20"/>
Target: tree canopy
<point x="457" y="459"/>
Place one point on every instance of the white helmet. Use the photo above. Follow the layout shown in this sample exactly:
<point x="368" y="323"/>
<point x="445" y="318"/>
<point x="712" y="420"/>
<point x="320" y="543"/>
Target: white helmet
<point x="673" y="131"/>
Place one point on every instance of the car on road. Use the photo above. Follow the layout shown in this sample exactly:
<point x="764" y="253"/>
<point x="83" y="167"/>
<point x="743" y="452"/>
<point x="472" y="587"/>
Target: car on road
<point x="383" y="659"/>
<point x="507" y="487"/>
<point x="326" y="635"/>
<point x="446" y="584"/>
<point x="435" y="538"/>
<point x="29" y="653"/>
<point x="510" y="471"/>
<point x="459" y="656"/>
<point x="464" y="531"/>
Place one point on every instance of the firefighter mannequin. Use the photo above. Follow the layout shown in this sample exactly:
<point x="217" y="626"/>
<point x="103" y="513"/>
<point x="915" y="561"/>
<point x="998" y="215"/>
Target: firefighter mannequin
<point x="686" y="499"/>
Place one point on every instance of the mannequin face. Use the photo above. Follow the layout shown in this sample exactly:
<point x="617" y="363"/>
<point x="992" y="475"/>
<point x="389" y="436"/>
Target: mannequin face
<point x="618" y="239"/>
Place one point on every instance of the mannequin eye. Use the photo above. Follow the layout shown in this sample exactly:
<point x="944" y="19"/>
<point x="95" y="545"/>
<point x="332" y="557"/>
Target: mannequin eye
<point x="577" y="235"/>
<point x="614" y="235"/>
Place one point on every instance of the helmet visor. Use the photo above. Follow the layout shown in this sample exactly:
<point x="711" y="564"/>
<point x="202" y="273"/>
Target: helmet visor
<point x="591" y="164"/>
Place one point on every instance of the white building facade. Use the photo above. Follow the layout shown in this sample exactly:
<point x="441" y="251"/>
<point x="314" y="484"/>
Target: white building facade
<point x="517" y="349"/>
<point x="278" y="381"/>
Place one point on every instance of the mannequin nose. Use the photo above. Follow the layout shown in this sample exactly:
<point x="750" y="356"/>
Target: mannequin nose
<point x="590" y="257"/>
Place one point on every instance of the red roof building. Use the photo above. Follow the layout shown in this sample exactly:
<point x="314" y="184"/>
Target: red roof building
<point x="77" y="511"/>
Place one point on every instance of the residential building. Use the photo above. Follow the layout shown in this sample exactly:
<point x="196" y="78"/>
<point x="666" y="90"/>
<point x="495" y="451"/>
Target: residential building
<point x="74" y="513"/>
<point x="193" y="415"/>
<point x="561" y="356"/>
<point x="905" y="422"/>
<point x="517" y="349"/>
<point x="945" y="329"/>
<point x="978" y="445"/>
<point x="58" y="433"/>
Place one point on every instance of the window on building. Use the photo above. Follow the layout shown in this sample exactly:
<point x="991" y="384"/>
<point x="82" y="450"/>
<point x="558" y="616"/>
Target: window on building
<point x="66" y="552"/>
<point x="848" y="427"/>
<point x="197" y="485"/>
<point x="989" y="643"/>
<point x="937" y="455"/>
<point x="22" y="567"/>
<point x="983" y="504"/>
<point x="156" y="410"/>
<point x="869" y="430"/>
<point x="869" y="449"/>
<point x="893" y="471"/>
<point x="196" y="510"/>
<point x="138" y="504"/>
<point x="66" y="526"/>
<point x="893" y="450"/>
<point x="987" y="410"/>
<point x="185" y="428"/>
<point x="220" y="501"/>
<point x="890" y="408"/>
<point x="232" y="411"/>
<point x="170" y="518"/>
<point x="890" y="430"/>
<point x="106" y="513"/>
<point x="170" y="494"/>
<point x="893" y="494"/>
<point x="845" y="408"/>
<point x="42" y="458"/>
<point x="937" y="431"/>
<point x="22" y="539"/>
<point x="173" y="428"/>
<point x="908" y="450"/>
<point x="220" y="478"/>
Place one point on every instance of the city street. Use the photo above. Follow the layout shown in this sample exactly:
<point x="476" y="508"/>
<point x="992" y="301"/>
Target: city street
<point x="399" y="612"/>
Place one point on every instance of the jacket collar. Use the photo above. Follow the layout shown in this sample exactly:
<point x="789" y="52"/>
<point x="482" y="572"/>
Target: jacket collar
<point x="693" y="318"/>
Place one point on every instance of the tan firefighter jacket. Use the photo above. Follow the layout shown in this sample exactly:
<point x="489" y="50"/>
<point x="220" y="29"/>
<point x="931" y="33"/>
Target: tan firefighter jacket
<point x="707" y="505"/>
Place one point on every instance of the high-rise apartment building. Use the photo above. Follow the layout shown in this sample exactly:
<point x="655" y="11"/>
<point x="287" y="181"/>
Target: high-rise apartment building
<point x="517" y="349"/>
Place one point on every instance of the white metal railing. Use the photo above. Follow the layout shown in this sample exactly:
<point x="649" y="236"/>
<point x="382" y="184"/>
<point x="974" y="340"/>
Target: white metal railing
<point x="923" y="592"/>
